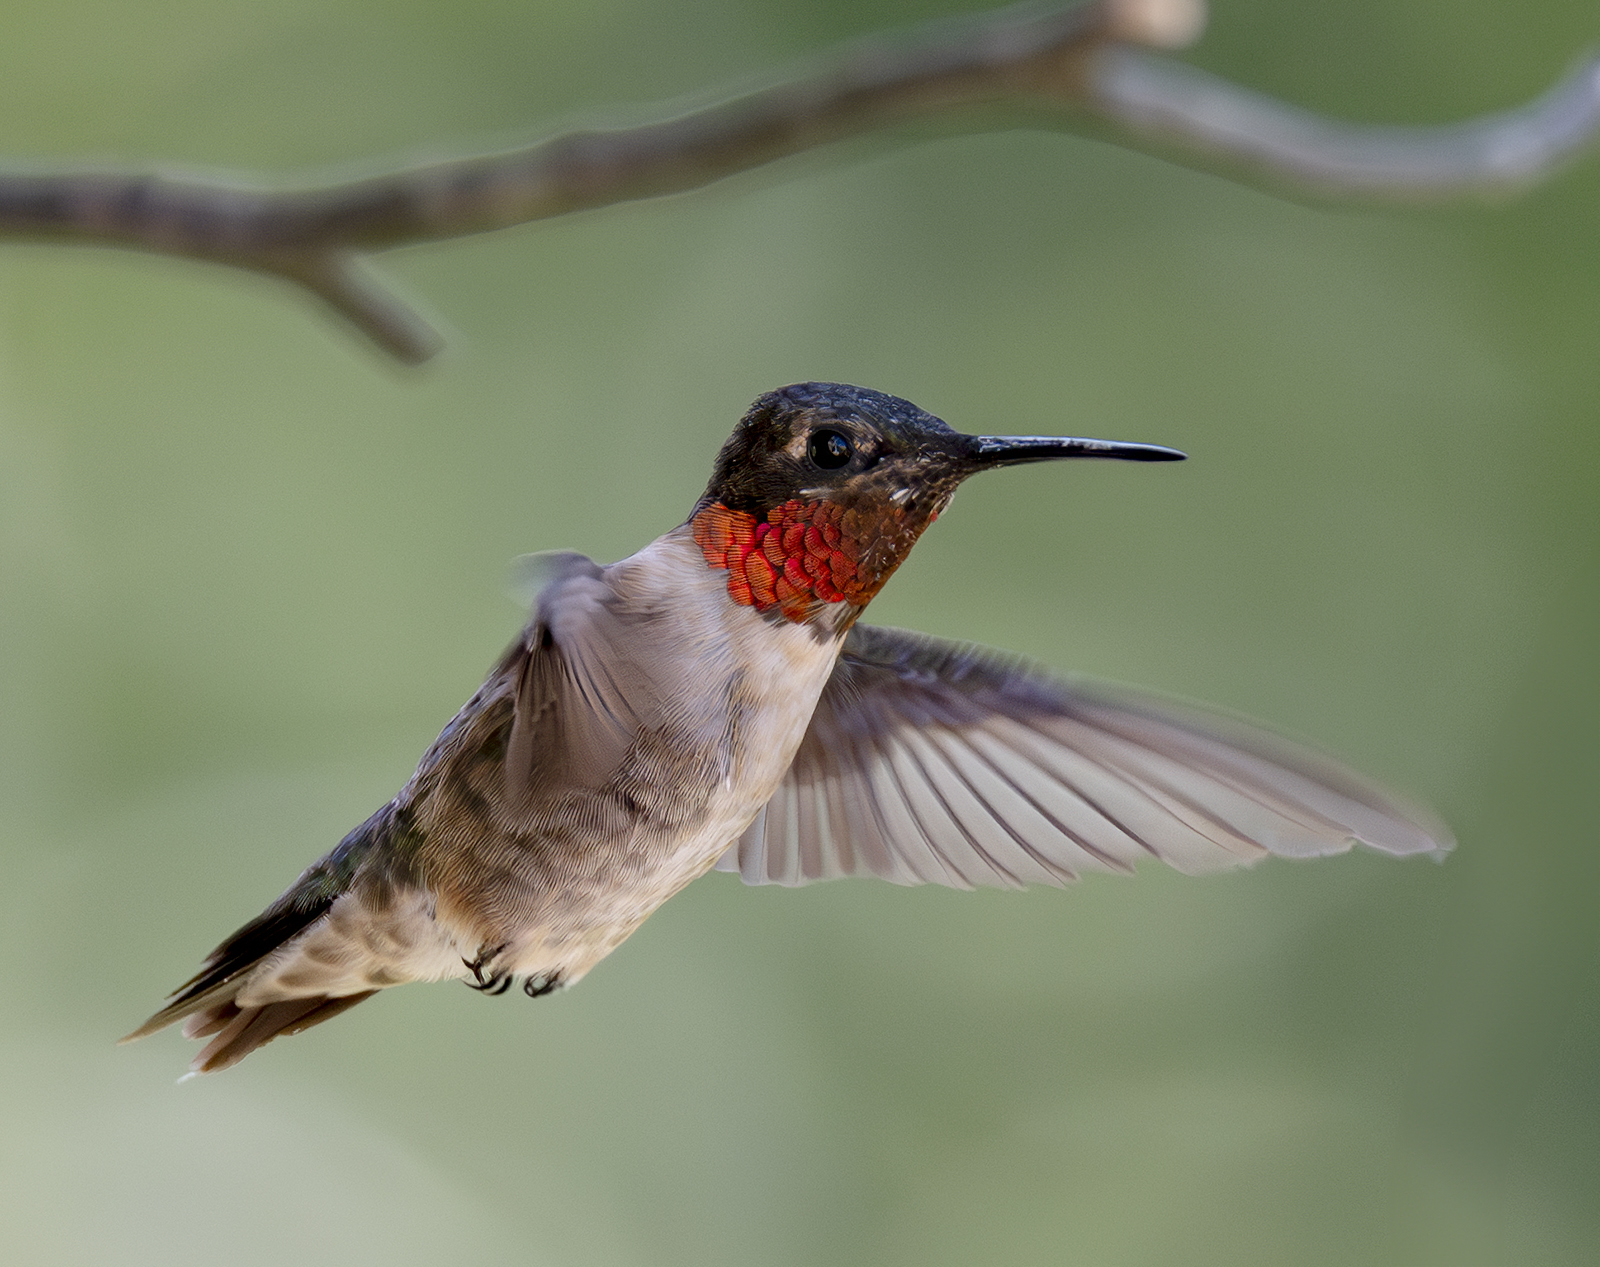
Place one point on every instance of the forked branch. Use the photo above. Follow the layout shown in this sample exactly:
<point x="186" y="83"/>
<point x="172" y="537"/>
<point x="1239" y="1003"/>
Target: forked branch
<point x="1082" y="58"/>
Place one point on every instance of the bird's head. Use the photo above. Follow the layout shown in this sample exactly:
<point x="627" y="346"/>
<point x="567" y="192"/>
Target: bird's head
<point x="823" y="489"/>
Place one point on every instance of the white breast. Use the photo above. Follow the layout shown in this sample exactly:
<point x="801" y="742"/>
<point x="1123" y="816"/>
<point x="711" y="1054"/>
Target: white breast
<point x="776" y="671"/>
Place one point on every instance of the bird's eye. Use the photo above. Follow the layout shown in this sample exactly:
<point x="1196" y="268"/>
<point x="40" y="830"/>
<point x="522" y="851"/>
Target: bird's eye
<point x="829" y="450"/>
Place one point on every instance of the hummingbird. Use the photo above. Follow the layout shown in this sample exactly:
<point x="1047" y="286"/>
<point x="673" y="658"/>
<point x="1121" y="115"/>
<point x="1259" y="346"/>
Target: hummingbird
<point x="712" y="702"/>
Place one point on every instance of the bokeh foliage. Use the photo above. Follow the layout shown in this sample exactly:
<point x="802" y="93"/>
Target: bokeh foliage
<point x="247" y="571"/>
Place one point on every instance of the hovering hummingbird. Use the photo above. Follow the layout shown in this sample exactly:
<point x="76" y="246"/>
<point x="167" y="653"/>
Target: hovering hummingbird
<point x="712" y="702"/>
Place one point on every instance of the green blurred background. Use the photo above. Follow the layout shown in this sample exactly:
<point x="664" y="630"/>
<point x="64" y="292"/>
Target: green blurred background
<point x="247" y="570"/>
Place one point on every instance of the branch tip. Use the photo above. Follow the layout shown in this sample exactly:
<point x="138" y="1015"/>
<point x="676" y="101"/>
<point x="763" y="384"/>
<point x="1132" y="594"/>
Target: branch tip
<point x="344" y="285"/>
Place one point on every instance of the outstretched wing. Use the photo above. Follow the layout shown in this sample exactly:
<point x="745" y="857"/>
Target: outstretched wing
<point x="931" y="762"/>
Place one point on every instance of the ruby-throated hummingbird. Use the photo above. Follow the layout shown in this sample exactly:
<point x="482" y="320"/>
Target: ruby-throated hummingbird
<point x="711" y="701"/>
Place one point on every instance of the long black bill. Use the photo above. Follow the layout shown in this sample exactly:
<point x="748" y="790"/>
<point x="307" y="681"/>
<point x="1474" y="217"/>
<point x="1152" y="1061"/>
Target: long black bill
<point x="1011" y="450"/>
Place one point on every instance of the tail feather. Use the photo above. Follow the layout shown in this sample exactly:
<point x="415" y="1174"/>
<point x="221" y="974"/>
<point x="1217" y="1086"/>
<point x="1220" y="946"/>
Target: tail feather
<point x="239" y="1031"/>
<point x="214" y="1018"/>
<point x="205" y="1002"/>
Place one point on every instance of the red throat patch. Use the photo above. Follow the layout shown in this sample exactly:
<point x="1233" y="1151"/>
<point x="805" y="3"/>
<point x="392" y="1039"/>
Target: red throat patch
<point x="805" y="553"/>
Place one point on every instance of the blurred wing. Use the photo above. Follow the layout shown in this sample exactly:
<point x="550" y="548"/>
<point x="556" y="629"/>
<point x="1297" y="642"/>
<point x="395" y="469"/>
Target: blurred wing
<point x="582" y="686"/>
<point x="931" y="762"/>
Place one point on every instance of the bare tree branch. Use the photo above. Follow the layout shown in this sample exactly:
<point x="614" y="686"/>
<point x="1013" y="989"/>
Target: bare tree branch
<point x="345" y="283"/>
<point x="313" y="234"/>
<point x="1162" y="100"/>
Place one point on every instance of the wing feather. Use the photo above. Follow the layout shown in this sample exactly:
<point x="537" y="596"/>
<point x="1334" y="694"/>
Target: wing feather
<point x="930" y="762"/>
<point x="582" y="690"/>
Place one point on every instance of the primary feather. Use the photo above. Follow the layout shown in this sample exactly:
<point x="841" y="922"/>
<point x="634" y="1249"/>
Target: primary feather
<point x="932" y="762"/>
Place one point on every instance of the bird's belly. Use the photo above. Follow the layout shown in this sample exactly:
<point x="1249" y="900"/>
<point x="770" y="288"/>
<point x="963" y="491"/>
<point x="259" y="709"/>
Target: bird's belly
<point x="588" y="920"/>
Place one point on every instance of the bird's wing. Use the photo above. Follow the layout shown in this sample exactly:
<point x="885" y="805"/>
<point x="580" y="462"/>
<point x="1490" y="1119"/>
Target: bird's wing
<point x="581" y="690"/>
<point x="934" y="762"/>
<point x="589" y="675"/>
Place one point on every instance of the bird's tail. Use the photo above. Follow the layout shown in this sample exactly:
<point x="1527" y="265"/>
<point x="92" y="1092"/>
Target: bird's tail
<point x="206" y="1003"/>
<point x="239" y="1031"/>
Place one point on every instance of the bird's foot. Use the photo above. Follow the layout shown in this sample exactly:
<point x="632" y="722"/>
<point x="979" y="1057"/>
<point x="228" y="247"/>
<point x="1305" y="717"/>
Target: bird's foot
<point x="484" y="979"/>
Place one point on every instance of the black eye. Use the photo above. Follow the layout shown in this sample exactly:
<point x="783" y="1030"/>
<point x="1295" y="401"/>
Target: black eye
<point x="828" y="449"/>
